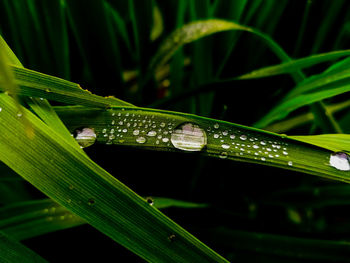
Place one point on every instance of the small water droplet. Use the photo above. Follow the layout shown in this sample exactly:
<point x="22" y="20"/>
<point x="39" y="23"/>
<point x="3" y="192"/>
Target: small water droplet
<point x="216" y="126"/>
<point x="290" y="163"/>
<point x="162" y="124"/>
<point x="91" y="202"/>
<point x="85" y="137"/>
<point x="225" y="146"/>
<point x="189" y="137"/>
<point x="223" y="155"/>
<point x="243" y="137"/>
<point x="19" y="115"/>
<point x="165" y="139"/>
<point x="255" y="146"/>
<point x="150" y="200"/>
<point x="263" y="143"/>
<point x="141" y="139"/>
<point x="0" y="109"/>
<point x="285" y="153"/>
<point x="263" y="159"/>
<point x="340" y="161"/>
<point x="224" y="133"/>
<point x="171" y="238"/>
<point x="232" y="136"/>
<point x="136" y="132"/>
<point x="216" y="135"/>
<point x="152" y="133"/>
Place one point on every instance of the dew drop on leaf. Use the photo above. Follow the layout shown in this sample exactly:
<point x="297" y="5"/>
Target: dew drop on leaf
<point x="189" y="137"/>
<point x="340" y="161"/>
<point x="141" y="139"/>
<point x="85" y="137"/>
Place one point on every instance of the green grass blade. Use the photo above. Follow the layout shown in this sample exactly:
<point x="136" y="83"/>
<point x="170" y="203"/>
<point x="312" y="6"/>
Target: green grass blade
<point x="13" y="251"/>
<point x="70" y="178"/>
<point x="34" y="218"/>
<point x="333" y="142"/>
<point x="151" y="129"/>
<point x="35" y="84"/>
<point x="283" y="246"/>
<point x="295" y="65"/>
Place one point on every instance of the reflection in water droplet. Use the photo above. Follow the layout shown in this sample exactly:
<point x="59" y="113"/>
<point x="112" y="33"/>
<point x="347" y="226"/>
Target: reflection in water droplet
<point x="243" y="137"/>
<point x="85" y="137"/>
<point x="152" y="133"/>
<point x="290" y="163"/>
<point x="340" y="161"/>
<point x="189" y="137"/>
<point x="141" y="139"/>
<point x="216" y="126"/>
<point x="136" y="132"/>
<point x="225" y="146"/>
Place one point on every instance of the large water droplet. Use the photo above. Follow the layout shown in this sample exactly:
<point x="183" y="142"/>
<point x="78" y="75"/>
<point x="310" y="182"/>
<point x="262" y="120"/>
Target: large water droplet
<point x="85" y="137"/>
<point x="189" y="137"/>
<point x="340" y="161"/>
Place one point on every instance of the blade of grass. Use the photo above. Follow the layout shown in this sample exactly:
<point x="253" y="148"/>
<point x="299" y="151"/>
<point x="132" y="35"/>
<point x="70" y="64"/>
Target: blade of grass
<point x="34" y="218"/>
<point x="223" y="139"/>
<point x="13" y="251"/>
<point x="295" y="65"/>
<point x="35" y="84"/>
<point x="283" y="246"/>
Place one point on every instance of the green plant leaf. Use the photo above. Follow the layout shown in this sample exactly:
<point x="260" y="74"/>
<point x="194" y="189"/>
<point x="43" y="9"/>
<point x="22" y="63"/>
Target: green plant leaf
<point x="35" y="84"/>
<point x="69" y="177"/>
<point x="29" y="219"/>
<point x="153" y="129"/>
<point x="13" y="251"/>
<point x="294" y="65"/>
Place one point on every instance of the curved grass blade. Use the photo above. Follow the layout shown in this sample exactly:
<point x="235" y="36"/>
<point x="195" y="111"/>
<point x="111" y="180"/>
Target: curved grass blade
<point x="34" y="218"/>
<point x="69" y="177"/>
<point x="187" y="34"/>
<point x="333" y="142"/>
<point x="174" y="131"/>
<point x="295" y="65"/>
<point x="35" y="84"/>
<point x="13" y="251"/>
<point x="283" y="246"/>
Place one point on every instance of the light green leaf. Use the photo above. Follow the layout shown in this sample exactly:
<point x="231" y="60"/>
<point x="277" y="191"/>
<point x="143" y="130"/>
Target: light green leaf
<point x="294" y="65"/>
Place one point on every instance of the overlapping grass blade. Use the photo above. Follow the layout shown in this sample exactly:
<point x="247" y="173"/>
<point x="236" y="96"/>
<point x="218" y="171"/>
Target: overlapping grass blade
<point x="69" y="177"/>
<point x="35" y="84"/>
<point x="141" y="127"/>
<point x="283" y="246"/>
<point x="13" y="251"/>
<point x="34" y="218"/>
<point x="313" y="89"/>
<point x="295" y="65"/>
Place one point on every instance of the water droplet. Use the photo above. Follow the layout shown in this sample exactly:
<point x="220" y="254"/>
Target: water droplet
<point x="223" y="155"/>
<point x="136" y="132"/>
<point x="141" y="139"/>
<point x="0" y="109"/>
<point x="150" y="200"/>
<point x="172" y="238"/>
<point x="152" y="133"/>
<point x="91" y="202"/>
<point x="85" y="137"/>
<point x="255" y="146"/>
<point x="224" y="133"/>
<point x="189" y="137"/>
<point x="285" y="153"/>
<point x="243" y="137"/>
<point x="225" y="146"/>
<point x="162" y="124"/>
<point x="290" y="163"/>
<point x="263" y="143"/>
<point x="340" y="161"/>
<point x="216" y="126"/>
<point x="232" y="136"/>
<point x="263" y="159"/>
<point x="19" y="114"/>
<point x="165" y="139"/>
